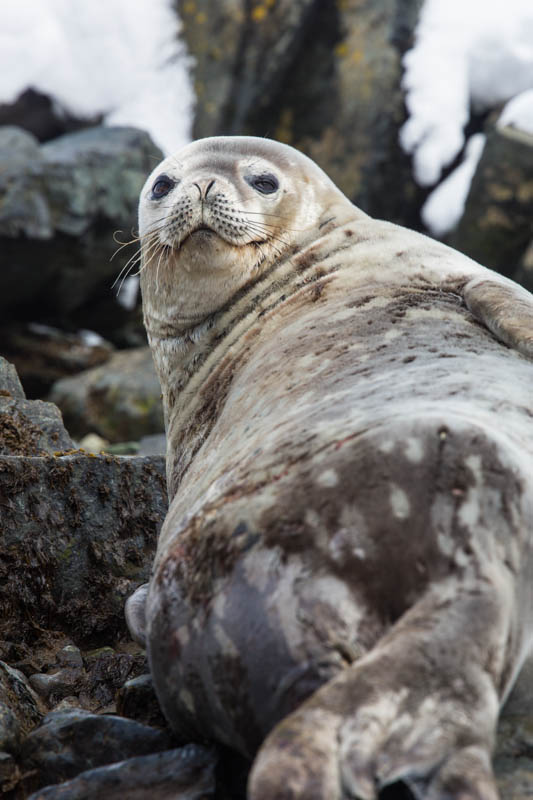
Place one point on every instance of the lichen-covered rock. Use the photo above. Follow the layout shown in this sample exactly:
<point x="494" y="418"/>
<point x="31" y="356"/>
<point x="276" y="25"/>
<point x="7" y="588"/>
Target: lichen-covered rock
<point x="324" y="77"/>
<point x="496" y="225"/>
<point x="77" y="537"/>
<point x="10" y="385"/>
<point x="186" y="773"/>
<point x="60" y="205"/>
<point x="120" y="400"/>
<point x="27" y="427"/>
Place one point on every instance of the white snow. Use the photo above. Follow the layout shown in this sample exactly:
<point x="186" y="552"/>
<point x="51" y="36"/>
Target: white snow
<point x="118" y="57"/>
<point x="128" y="292"/>
<point x="123" y="58"/>
<point x="477" y="52"/>
<point x="445" y="205"/>
<point x="518" y="113"/>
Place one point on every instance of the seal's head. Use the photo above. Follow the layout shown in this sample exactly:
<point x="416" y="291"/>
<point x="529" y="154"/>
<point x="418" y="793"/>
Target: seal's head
<point x="218" y="213"/>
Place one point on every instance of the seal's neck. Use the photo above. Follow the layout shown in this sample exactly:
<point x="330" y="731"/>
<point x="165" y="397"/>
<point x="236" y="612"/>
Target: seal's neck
<point x="195" y="363"/>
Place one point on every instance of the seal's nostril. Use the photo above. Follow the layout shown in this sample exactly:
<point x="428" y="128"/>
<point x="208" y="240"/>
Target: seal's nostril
<point x="203" y="188"/>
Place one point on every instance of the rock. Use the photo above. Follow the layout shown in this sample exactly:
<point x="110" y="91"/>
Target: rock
<point x="59" y="211"/>
<point x="69" y="742"/>
<point x="42" y="354"/>
<point x="323" y="77"/>
<point x="123" y="448"/>
<point x="186" y="773"/>
<point x="31" y="428"/>
<point x="137" y="700"/>
<point x="27" y="427"/>
<point x="496" y="225"/>
<point x="44" y="118"/>
<point x="20" y="708"/>
<point x="154" y="445"/>
<point x="120" y="400"/>
<point x="107" y="670"/>
<point x="78" y="536"/>
<point x="10" y="385"/>
<point x="57" y="684"/>
<point x="17" y="146"/>
<point x="70" y="656"/>
<point x="9" y="773"/>
<point x="92" y="443"/>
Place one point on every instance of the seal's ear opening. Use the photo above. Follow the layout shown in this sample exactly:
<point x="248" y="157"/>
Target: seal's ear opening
<point x="396" y="791"/>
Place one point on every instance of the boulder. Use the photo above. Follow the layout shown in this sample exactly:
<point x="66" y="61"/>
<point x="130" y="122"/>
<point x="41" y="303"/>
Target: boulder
<point x="120" y="400"/>
<point x="69" y="742"/>
<point x="78" y="536"/>
<point x="185" y="773"/>
<point x="496" y="225"/>
<point x="78" y="531"/>
<point x="60" y="206"/>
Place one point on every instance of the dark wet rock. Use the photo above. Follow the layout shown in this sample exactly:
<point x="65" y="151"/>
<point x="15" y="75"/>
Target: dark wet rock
<point x="186" y="773"/>
<point x="322" y="77"/>
<point x="78" y="536"/>
<point x="70" y="656"/>
<point x="69" y="742"/>
<point x="43" y="117"/>
<point x="20" y="708"/>
<point x="9" y="773"/>
<point x="137" y="700"/>
<point x="496" y="225"/>
<point x="120" y="400"/>
<point x="57" y="684"/>
<point x="42" y="354"/>
<point x="107" y="671"/>
<point x="59" y="211"/>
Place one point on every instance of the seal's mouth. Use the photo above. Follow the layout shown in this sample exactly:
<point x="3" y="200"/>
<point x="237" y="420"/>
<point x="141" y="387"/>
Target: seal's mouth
<point x="202" y="231"/>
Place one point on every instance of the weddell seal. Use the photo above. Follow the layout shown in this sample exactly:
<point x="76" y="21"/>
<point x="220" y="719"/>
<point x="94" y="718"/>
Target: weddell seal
<point x="343" y="583"/>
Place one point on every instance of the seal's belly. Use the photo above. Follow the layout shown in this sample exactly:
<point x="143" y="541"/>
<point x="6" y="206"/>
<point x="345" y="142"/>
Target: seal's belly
<point x="355" y="460"/>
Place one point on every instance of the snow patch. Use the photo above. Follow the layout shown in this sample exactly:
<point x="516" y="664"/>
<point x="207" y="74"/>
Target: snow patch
<point x="118" y="58"/>
<point x="475" y="53"/>
<point x="445" y="205"/>
<point x="518" y="113"/>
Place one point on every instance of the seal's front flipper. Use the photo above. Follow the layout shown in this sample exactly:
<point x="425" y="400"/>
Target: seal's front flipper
<point x="505" y="308"/>
<point x="416" y="714"/>
<point x="135" y="614"/>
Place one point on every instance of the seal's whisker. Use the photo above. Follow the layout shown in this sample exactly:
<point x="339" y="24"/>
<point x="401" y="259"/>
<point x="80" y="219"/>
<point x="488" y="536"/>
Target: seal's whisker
<point x="126" y="268"/>
<point x="130" y="263"/>
<point x="256" y="227"/>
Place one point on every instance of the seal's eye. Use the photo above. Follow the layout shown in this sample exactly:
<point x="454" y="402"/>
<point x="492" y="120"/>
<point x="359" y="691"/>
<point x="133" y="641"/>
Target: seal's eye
<point x="162" y="186"/>
<point x="266" y="183"/>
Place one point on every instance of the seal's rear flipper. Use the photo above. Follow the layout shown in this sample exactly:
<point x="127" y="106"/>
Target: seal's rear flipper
<point x="134" y="612"/>
<point x="419" y="710"/>
<point x="505" y="308"/>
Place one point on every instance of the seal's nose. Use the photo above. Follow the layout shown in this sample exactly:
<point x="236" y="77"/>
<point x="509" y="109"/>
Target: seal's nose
<point x="204" y="187"/>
